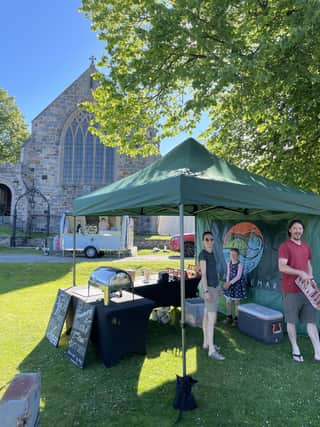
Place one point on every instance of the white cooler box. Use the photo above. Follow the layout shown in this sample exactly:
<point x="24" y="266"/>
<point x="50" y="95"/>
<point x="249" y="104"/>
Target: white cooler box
<point x="194" y="309"/>
<point x="260" y="322"/>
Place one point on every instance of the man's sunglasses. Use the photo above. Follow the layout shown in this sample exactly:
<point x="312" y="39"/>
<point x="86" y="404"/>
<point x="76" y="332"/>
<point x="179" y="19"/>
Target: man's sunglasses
<point x="208" y="239"/>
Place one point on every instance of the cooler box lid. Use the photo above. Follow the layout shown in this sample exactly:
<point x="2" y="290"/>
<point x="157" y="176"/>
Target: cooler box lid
<point x="260" y="311"/>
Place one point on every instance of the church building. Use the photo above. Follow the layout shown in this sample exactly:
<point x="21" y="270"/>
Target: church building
<point x="60" y="161"/>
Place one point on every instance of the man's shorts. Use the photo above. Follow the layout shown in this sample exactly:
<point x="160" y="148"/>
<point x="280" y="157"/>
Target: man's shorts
<point x="298" y="307"/>
<point x="212" y="305"/>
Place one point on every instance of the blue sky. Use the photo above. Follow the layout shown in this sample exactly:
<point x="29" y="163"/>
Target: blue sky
<point x="45" y="45"/>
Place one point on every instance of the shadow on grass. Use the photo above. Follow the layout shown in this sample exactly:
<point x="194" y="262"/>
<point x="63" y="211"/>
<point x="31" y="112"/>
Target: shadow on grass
<point x="177" y="257"/>
<point x="139" y="390"/>
<point x="14" y="276"/>
<point x="257" y="385"/>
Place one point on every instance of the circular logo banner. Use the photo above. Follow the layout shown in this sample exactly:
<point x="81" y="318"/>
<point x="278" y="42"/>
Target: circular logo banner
<point x="246" y="237"/>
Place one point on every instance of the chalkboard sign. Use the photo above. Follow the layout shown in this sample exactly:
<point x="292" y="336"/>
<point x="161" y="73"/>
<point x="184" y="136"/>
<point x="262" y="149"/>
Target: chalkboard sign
<point x="58" y="317"/>
<point x="80" y="333"/>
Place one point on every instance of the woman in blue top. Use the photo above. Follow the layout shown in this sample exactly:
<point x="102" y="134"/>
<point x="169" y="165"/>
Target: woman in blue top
<point x="211" y="292"/>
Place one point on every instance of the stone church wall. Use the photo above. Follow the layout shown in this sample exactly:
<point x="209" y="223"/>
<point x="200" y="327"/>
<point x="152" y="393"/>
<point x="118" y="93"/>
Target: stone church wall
<point x="41" y="166"/>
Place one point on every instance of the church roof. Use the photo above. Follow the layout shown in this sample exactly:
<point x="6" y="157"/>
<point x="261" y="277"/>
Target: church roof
<point x="84" y="81"/>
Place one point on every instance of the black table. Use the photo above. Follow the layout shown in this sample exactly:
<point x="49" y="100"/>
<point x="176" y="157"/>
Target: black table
<point x="120" y="328"/>
<point x="168" y="294"/>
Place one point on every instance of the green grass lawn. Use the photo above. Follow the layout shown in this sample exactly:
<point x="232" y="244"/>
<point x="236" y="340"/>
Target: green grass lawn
<point x="154" y="237"/>
<point x="6" y="231"/>
<point x="257" y="384"/>
<point x="6" y="250"/>
<point x="161" y="252"/>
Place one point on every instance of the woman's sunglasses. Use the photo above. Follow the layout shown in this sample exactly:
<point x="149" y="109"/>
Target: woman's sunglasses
<point x="207" y="239"/>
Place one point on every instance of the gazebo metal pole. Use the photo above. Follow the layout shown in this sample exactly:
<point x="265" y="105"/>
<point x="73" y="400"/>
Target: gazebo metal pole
<point x="182" y="290"/>
<point x="74" y="253"/>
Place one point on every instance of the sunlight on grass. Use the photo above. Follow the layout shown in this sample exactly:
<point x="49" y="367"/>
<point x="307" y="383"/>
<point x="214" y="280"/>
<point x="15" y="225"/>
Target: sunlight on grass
<point x="154" y="237"/>
<point x="230" y="340"/>
<point x="170" y="365"/>
<point x="42" y="404"/>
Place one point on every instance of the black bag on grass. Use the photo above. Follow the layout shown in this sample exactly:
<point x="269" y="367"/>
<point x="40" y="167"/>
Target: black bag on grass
<point x="184" y="401"/>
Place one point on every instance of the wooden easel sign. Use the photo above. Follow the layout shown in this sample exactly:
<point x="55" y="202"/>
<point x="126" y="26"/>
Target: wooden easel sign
<point x="58" y="316"/>
<point x="80" y="333"/>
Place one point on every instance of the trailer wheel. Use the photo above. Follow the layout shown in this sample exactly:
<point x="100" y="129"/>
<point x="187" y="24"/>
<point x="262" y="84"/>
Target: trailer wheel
<point x="90" y="252"/>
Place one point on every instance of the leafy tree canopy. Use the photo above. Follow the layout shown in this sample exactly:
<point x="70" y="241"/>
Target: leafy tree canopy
<point x="252" y="65"/>
<point x="13" y="130"/>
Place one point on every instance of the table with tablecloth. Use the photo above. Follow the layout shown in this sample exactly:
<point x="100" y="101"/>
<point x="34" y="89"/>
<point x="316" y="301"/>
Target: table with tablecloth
<point x="167" y="293"/>
<point x="119" y="328"/>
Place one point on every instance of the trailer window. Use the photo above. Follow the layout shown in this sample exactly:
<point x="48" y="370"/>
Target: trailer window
<point x="109" y="223"/>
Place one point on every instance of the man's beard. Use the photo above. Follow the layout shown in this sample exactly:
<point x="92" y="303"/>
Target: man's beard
<point x="297" y="236"/>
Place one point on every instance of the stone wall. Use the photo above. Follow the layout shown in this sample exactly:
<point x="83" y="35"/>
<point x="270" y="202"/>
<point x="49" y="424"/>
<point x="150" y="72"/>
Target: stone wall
<point x="41" y="163"/>
<point x="145" y="243"/>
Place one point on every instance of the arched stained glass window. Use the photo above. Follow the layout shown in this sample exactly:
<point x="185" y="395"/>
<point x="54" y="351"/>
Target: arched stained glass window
<point x="99" y="162"/>
<point x="88" y="166"/>
<point x="68" y="156"/>
<point x="78" y="156"/>
<point x="84" y="158"/>
<point x="109" y="164"/>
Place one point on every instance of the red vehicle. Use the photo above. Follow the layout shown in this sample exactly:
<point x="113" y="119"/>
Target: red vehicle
<point x="189" y="238"/>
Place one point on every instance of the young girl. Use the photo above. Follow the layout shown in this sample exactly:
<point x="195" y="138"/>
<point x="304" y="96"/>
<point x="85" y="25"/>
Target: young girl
<point x="235" y="287"/>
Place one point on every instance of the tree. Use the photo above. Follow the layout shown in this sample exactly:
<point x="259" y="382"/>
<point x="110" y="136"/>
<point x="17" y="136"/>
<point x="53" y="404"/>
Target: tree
<point x="13" y="130"/>
<point x="252" y="65"/>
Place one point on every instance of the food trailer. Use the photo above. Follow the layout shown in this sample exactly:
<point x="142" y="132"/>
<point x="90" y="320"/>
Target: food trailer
<point x="95" y="235"/>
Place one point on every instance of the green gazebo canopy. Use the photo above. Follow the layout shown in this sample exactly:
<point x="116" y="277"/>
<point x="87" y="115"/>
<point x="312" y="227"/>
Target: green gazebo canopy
<point x="191" y="175"/>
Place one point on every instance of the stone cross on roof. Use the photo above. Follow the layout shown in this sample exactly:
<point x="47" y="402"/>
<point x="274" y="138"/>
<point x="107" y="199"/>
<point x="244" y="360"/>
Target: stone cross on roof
<point x="92" y="59"/>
